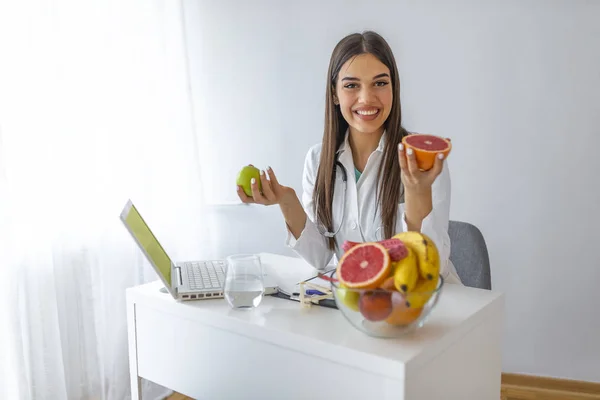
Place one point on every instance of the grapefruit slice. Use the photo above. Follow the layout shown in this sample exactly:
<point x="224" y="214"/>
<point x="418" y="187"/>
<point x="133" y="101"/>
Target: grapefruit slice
<point x="364" y="266"/>
<point x="347" y="245"/>
<point x="426" y="148"/>
<point x="396" y="248"/>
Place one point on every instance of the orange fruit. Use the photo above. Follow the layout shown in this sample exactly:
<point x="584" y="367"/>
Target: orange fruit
<point x="403" y="316"/>
<point x="426" y="148"/>
<point x="388" y="284"/>
<point x="364" y="266"/>
<point x="401" y="313"/>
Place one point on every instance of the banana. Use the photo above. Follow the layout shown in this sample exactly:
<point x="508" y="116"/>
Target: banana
<point x="406" y="272"/>
<point x="421" y="293"/>
<point x="426" y="251"/>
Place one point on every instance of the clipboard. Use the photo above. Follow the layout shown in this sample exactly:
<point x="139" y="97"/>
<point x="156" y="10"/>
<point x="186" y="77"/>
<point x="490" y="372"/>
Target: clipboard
<point x="324" y="299"/>
<point x="328" y="303"/>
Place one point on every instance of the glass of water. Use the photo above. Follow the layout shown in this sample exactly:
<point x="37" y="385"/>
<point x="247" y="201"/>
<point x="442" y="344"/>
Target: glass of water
<point x="244" y="286"/>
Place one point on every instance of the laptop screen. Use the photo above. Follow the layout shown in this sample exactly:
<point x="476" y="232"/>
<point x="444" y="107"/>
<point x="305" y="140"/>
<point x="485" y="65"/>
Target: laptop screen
<point x="147" y="241"/>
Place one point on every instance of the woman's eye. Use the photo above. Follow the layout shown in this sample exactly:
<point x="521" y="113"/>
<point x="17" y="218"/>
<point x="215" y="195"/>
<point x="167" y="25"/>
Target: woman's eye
<point x="350" y="85"/>
<point x="381" y="83"/>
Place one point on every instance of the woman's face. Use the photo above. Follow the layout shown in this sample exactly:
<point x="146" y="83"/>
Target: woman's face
<point x="364" y="93"/>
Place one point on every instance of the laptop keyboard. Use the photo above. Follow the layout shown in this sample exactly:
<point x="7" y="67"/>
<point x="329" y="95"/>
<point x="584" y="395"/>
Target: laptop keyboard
<point x="205" y="274"/>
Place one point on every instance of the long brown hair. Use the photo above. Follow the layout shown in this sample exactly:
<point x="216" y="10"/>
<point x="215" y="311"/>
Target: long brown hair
<point x="389" y="186"/>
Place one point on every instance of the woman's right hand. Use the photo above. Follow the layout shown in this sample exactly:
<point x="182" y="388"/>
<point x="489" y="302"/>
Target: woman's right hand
<point x="272" y="191"/>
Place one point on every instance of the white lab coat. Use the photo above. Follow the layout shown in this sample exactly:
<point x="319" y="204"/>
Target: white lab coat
<point x="362" y="219"/>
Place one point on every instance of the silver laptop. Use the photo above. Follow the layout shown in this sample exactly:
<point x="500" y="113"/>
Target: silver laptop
<point x="189" y="280"/>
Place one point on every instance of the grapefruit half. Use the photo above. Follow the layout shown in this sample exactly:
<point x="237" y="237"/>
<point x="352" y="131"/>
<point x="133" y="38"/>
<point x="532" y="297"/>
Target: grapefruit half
<point x="426" y="148"/>
<point x="395" y="247"/>
<point x="364" y="266"/>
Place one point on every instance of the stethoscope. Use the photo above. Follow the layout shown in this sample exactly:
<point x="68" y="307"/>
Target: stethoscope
<point x="329" y="234"/>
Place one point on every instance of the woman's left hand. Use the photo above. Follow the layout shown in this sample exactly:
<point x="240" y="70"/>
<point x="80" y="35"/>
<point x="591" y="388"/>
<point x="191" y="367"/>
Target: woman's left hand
<point x="412" y="177"/>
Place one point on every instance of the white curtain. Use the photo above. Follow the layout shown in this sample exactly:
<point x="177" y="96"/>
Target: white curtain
<point x="95" y="108"/>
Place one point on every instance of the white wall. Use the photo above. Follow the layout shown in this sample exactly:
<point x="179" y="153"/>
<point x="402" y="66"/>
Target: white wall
<point x="515" y="84"/>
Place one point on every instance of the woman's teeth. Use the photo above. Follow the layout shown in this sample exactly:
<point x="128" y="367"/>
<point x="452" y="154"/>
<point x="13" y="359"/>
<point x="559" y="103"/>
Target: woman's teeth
<point x="364" y="112"/>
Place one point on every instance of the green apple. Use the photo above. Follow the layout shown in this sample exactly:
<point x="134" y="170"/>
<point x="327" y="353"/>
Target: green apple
<point x="348" y="297"/>
<point x="245" y="177"/>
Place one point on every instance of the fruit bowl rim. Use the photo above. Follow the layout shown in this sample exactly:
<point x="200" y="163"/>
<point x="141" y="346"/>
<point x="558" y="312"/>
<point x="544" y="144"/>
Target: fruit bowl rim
<point x="335" y="285"/>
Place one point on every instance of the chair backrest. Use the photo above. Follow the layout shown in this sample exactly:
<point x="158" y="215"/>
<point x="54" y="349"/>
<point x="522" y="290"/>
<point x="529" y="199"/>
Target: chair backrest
<point x="469" y="255"/>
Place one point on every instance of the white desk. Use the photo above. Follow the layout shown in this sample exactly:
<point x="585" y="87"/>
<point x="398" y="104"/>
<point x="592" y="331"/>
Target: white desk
<point x="208" y="351"/>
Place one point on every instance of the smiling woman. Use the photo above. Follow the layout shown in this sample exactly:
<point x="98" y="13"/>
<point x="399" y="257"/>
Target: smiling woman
<point x="363" y="133"/>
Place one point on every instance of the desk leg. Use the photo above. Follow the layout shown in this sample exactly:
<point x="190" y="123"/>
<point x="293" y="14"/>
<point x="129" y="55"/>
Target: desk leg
<point x="136" y="381"/>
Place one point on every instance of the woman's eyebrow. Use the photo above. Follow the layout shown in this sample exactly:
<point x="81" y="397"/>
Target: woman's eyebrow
<point x="351" y="78"/>
<point x="381" y="76"/>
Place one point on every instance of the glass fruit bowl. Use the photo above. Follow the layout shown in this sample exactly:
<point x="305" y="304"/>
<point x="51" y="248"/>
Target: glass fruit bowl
<point x="385" y="313"/>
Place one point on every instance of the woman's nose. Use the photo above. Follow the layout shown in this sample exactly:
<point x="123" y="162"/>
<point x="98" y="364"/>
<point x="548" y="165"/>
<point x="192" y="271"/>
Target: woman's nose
<point x="366" y="95"/>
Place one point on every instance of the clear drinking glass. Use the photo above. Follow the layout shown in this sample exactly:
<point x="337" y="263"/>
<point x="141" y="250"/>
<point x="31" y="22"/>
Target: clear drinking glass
<point x="244" y="286"/>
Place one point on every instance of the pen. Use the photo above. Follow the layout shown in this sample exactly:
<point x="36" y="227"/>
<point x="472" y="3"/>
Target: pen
<point x="309" y="292"/>
<point x="322" y="275"/>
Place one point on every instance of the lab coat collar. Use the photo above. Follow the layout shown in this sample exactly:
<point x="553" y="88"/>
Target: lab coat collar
<point x="346" y="145"/>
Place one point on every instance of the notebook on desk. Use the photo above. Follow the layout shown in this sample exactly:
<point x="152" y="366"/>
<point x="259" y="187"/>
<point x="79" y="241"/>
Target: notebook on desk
<point x="291" y="275"/>
<point x="329" y="303"/>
